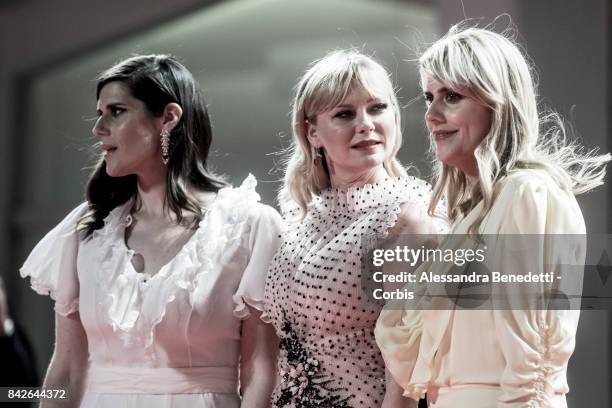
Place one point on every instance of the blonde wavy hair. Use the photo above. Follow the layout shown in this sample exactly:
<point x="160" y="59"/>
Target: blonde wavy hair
<point x="326" y="84"/>
<point x="493" y="68"/>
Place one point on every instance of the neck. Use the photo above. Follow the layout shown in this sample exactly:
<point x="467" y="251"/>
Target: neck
<point x="152" y="195"/>
<point x="344" y="181"/>
<point x="470" y="170"/>
<point x="471" y="176"/>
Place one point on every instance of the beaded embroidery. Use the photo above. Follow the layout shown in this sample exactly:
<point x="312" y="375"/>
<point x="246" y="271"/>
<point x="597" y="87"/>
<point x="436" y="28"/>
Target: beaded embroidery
<point x="302" y="385"/>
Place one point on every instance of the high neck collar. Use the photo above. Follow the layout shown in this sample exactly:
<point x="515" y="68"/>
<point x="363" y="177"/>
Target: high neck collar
<point x="369" y="195"/>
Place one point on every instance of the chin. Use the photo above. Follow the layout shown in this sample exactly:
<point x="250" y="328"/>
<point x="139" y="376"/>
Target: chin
<point x="374" y="159"/>
<point x="444" y="158"/>
<point x="370" y="165"/>
<point x="112" y="172"/>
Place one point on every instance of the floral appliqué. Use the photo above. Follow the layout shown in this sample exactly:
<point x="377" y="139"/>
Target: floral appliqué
<point x="302" y="386"/>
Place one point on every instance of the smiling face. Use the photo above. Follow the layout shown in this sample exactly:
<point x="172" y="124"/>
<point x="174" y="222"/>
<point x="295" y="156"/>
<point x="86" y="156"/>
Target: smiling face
<point x="357" y="136"/>
<point x="457" y="123"/>
<point x="128" y="132"/>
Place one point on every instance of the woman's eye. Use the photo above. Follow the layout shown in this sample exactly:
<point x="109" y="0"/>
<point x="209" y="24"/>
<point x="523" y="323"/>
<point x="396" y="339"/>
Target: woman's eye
<point x="379" y="107"/>
<point x="428" y="98"/>
<point x="344" y="114"/>
<point x="116" y="111"/>
<point x="453" y="97"/>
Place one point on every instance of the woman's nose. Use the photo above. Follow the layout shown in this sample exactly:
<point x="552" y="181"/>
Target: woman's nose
<point x="366" y="124"/>
<point x="99" y="129"/>
<point x="433" y="114"/>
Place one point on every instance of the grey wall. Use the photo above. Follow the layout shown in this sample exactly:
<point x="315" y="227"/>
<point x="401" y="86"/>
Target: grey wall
<point x="575" y="75"/>
<point x="247" y="57"/>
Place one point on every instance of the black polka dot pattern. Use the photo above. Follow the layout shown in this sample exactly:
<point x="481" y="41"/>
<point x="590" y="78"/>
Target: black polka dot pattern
<point x="315" y="301"/>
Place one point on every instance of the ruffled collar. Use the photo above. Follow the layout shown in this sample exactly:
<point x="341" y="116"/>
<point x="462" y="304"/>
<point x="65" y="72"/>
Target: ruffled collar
<point x="116" y="218"/>
<point x="373" y="195"/>
<point x="135" y="313"/>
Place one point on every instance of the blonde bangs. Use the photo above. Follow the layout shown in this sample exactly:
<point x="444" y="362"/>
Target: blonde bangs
<point x="329" y="89"/>
<point x="326" y="84"/>
<point x="445" y="62"/>
<point x="464" y="62"/>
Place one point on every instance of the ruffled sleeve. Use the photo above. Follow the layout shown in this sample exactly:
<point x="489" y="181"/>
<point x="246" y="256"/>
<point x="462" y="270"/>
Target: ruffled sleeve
<point x="399" y="330"/>
<point x="51" y="265"/>
<point x="536" y="342"/>
<point x="264" y="240"/>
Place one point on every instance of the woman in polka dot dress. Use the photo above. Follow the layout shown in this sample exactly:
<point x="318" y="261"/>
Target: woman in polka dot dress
<point x="344" y="190"/>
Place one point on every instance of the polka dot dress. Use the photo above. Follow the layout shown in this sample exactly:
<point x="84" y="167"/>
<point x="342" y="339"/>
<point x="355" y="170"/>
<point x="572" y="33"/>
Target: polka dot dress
<point x="325" y="322"/>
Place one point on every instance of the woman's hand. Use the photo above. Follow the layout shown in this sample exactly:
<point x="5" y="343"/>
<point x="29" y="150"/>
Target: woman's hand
<point x="394" y="395"/>
<point x="259" y="352"/>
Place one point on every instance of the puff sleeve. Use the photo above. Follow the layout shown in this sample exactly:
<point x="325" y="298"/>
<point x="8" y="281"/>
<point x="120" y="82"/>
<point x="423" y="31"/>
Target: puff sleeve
<point x="536" y="342"/>
<point x="398" y="329"/>
<point x="264" y="240"/>
<point x="51" y="265"/>
<point x="398" y="335"/>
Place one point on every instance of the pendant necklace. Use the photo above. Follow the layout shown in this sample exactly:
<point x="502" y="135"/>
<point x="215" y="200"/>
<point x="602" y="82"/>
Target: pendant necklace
<point x="138" y="261"/>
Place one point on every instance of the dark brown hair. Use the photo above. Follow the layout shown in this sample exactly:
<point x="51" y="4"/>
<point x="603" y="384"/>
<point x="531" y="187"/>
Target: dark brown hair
<point x="158" y="80"/>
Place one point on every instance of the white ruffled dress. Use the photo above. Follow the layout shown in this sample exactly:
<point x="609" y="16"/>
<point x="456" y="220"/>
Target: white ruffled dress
<point x="172" y="340"/>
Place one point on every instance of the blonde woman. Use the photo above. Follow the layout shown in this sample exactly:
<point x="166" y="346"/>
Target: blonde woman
<point x="343" y="187"/>
<point x="502" y="174"/>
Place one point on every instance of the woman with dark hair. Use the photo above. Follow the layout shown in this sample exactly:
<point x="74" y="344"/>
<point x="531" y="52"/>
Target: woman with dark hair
<point x="158" y="277"/>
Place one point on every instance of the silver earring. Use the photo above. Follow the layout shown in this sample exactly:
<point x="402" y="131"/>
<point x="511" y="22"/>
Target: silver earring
<point x="165" y="145"/>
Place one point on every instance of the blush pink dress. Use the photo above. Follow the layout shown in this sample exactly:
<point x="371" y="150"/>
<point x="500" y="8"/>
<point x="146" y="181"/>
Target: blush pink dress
<point x="172" y="340"/>
<point x="314" y="296"/>
<point x="504" y="358"/>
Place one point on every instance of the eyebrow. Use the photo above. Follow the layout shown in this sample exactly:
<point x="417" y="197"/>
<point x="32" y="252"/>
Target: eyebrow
<point x="439" y="90"/>
<point x="348" y="105"/>
<point x="114" y="105"/>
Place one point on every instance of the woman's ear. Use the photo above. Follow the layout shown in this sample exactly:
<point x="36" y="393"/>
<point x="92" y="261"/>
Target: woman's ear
<point x="312" y="136"/>
<point x="171" y="116"/>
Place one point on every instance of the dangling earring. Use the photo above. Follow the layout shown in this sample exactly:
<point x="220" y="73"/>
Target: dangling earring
<point x="165" y="145"/>
<point x="316" y="155"/>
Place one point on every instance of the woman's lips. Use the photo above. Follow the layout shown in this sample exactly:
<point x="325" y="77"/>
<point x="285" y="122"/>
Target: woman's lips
<point x="108" y="150"/>
<point x="440" y="136"/>
<point x="366" y="144"/>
